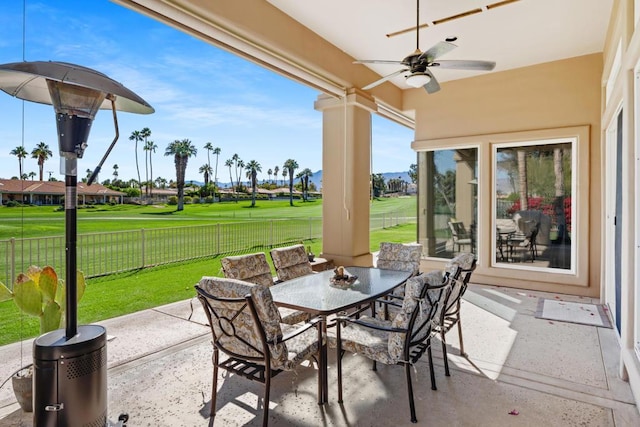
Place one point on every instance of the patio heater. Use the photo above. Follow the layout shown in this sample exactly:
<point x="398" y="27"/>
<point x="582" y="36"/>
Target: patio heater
<point x="70" y="365"/>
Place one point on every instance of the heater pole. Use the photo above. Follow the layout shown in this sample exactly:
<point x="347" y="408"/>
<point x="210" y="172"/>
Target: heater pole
<point x="70" y="211"/>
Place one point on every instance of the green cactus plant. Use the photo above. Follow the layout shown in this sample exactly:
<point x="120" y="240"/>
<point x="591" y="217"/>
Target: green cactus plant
<point x="40" y="293"/>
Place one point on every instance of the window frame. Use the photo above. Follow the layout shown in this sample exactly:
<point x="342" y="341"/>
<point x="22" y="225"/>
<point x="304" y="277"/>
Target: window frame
<point x="552" y="280"/>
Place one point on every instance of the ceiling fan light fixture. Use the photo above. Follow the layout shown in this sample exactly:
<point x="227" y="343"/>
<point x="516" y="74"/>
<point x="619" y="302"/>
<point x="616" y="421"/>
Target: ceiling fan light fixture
<point x="418" y="79"/>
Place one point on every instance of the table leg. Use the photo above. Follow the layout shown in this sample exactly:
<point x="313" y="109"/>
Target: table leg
<point x="323" y="395"/>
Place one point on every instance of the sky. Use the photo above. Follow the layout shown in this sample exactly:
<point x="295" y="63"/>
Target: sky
<point x="199" y="92"/>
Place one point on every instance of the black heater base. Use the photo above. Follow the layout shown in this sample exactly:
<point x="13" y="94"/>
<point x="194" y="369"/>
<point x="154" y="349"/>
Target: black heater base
<point x="70" y="378"/>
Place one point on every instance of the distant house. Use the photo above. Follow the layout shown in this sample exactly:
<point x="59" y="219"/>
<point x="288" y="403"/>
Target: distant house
<point x="52" y="192"/>
<point x="161" y="194"/>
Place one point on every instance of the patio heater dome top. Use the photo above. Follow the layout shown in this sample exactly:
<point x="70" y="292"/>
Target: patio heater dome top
<point x="28" y="81"/>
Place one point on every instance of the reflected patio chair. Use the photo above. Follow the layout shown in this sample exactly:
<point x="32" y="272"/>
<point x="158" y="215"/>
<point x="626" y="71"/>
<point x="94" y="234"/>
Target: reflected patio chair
<point x="254" y="268"/>
<point x="291" y="262"/>
<point x="459" y="269"/>
<point x="461" y="237"/>
<point x="401" y="341"/>
<point x="245" y="325"/>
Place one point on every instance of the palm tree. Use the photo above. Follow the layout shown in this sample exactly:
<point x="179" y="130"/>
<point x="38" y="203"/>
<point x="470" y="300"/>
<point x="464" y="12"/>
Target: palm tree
<point x="161" y="182"/>
<point x="269" y="173"/>
<point x="150" y="147"/>
<point x="209" y="147"/>
<point x="275" y="174"/>
<point x="206" y="170"/>
<point x="284" y="175"/>
<point x="42" y="153"/>
<point x="216" y="151"/>
<point x="229" y="164"/>
<point x="239" y="170"/>
<point x="136" y="136"/>
<point x="522" y="177"/>
<point x="304" y="175"/>
<point x="290" y="165"/>
<point x="181" y="151"/>
<point x="115" y="173"/>
<point x="32" y="175"/>
<point x="253" y="168"/>
<point x="20" y="153"/>
<point x="146" y="133"/>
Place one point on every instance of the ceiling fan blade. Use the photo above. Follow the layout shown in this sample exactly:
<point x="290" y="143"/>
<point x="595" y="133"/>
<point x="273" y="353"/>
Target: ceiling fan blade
<point x="384" y="79"/>
<point x="466" y="65"/>
<point x="433" y="85"/>
<point x="437" y="51"/>
<point x="377" y="61"/>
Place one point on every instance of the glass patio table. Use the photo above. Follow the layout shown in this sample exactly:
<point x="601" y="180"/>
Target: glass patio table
<point x="315" y="294"/>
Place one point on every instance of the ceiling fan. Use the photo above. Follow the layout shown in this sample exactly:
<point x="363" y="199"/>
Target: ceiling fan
<point x="416" y="65"/>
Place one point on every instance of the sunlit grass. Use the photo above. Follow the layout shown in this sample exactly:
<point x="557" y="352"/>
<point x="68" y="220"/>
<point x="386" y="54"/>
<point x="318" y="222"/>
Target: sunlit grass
<point x="119" y="294"/>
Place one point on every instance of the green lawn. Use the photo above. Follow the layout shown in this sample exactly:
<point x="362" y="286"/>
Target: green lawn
<point x="120" y="294"/>
<point x="40" y="221"/>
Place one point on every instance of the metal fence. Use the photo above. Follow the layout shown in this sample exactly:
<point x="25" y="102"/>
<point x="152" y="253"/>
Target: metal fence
<point x="100" y="254"/>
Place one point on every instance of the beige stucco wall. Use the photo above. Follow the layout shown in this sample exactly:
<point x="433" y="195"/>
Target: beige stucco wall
<point x="543" y="97"/>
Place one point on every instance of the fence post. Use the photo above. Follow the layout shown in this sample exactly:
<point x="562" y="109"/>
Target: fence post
<point x="142" y="246"/>
<point x="217" y="238"/>
<point x="271" y="234"/>
<point x="12" y="251"/>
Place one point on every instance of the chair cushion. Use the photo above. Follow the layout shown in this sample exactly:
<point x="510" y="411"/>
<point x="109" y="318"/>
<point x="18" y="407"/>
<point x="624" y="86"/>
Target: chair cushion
<point x="252" y="268"/>
<point x="411" y="302"/>
<point x="291" y="316"/>
<point x="291" y="262"/>
<point x="463" y="261"/>
<point x="300" y="347"/>
<point x="371" y="343"/>
<point x="399" y="256"/>
<point x="243" y="323"/>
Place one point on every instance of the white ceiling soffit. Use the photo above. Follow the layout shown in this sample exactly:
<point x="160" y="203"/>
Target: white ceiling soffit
<point x="513" y="33"/>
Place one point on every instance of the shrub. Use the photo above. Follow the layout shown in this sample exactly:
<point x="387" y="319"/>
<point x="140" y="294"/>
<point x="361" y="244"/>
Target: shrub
<point x="173" y="200"/>
<point x="187" y="200"/>
<point x="195" y="200"/>
<point x="208" y="199"/>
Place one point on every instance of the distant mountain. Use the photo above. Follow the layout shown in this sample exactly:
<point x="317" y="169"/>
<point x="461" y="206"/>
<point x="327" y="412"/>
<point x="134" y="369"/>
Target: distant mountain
<point x="316" y="178"/>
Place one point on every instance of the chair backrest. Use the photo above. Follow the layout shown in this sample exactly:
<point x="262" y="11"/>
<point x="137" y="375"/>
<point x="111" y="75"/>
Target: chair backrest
<point x="244" y="320"/>
<point x="252" y="268"/>
<point x="291" y="262"/>
<point x="400" y="256"/>
<point x="460" y="269"/>
<point x="423" y="301"/>
<point x="457" y="230"/>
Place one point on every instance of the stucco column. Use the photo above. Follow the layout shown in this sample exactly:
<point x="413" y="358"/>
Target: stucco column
<point x="346" y="153"/>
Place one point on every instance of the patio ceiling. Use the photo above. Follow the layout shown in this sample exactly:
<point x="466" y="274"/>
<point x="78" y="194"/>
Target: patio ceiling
<point x="513" y="33"/>
<point x="316" y="41"/>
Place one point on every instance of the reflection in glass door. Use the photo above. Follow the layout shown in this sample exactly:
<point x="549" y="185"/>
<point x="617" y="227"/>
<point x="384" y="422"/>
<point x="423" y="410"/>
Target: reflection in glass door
<point x="448" y="201"/>
<point x="533" y="192"/>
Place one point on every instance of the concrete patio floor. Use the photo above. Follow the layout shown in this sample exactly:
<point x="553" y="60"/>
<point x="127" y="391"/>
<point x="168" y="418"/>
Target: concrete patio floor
<point x="550" y="373"/>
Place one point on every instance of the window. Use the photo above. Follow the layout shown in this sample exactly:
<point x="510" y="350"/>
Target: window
<point x="448" y="201"/>
<point x="534" y="209"/>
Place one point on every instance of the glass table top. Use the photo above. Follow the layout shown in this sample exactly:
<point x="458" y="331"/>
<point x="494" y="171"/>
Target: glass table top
<point x="315" y="294"/>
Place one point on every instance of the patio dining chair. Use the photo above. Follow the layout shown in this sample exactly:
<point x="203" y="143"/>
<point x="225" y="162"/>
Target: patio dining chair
<point x="401" y="341"/>
<point x="254" y="268"/>
<point x="399" y="256"/>
<point x="459" y="269"/>
<point x="291" y="262"/>
<point x="245" y="325"/>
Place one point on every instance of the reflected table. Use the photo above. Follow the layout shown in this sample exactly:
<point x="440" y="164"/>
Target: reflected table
<point x="315" y="294"/>
<point x="504" y="243"/>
